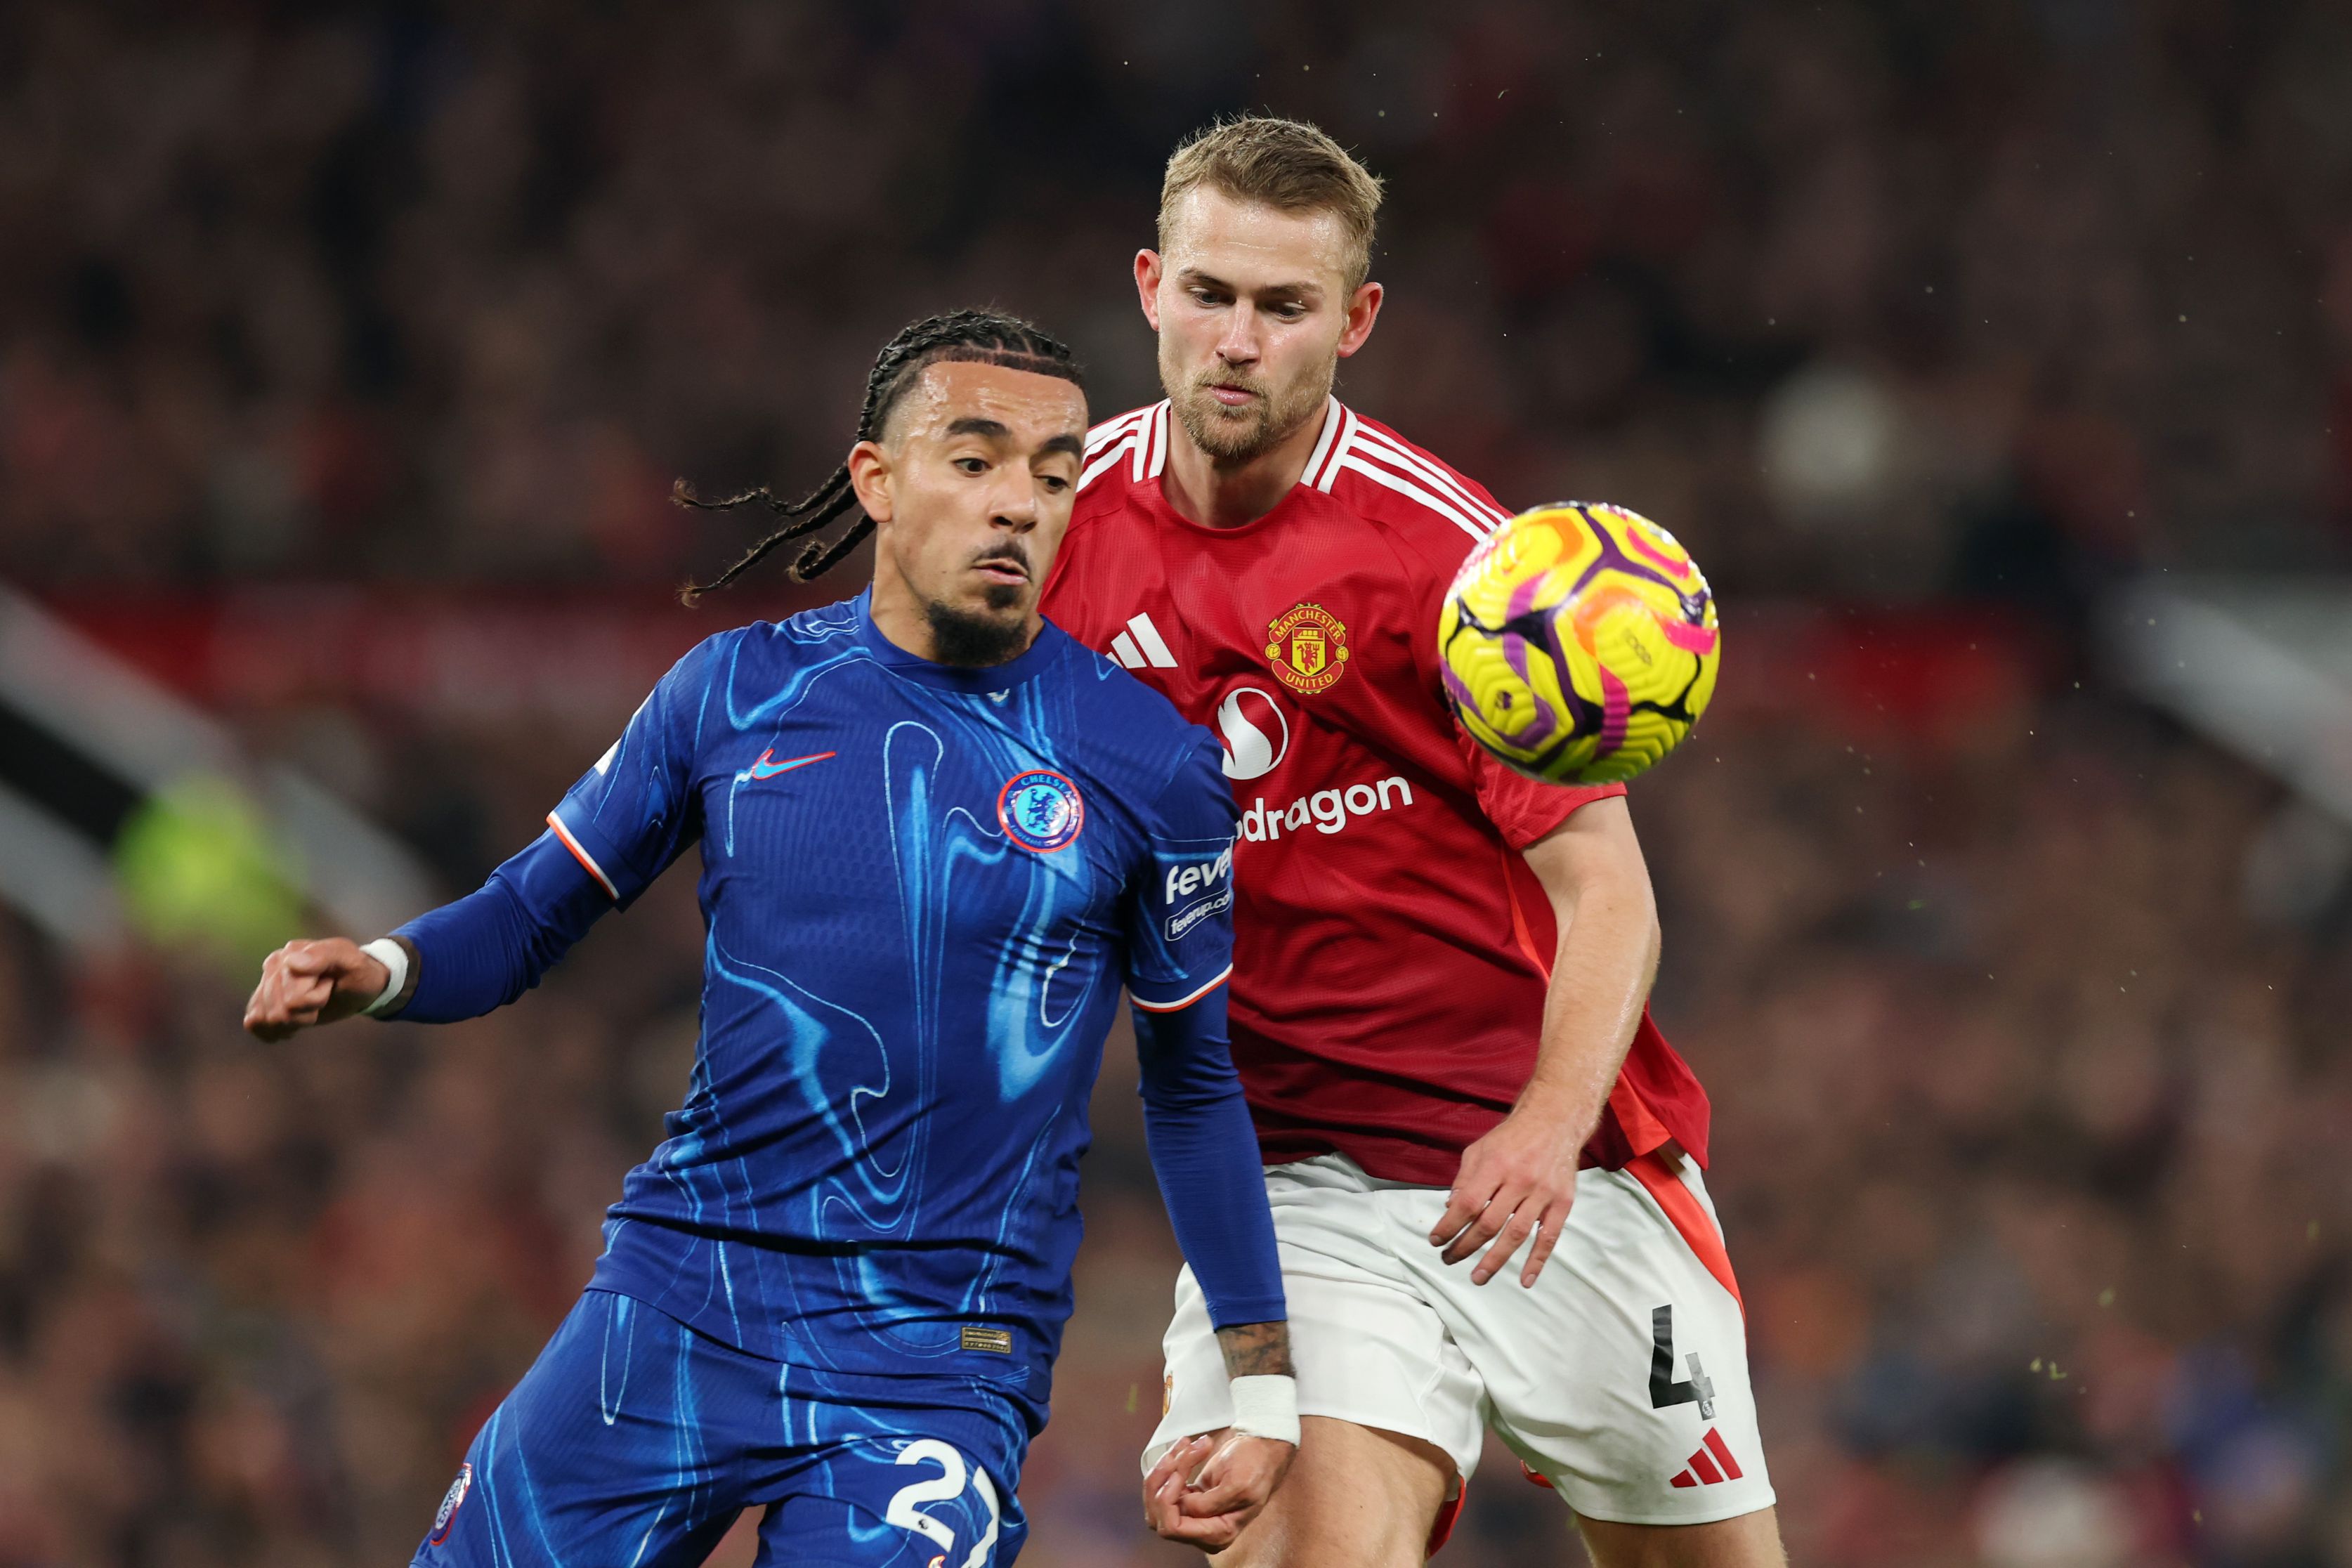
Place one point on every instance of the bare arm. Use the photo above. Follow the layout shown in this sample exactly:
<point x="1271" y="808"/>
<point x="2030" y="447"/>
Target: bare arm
<point x="1206" y="1488"/>
<point x="1519" y="1179"/>
<point x="1591" y="870"/>
<point x="1256" y="1350"/>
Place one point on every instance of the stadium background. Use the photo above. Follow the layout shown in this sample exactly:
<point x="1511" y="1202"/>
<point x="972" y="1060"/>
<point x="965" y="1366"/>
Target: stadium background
<point x="1996" y="361"/>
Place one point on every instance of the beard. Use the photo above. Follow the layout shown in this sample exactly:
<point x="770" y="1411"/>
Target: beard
<point x="976" y="638"/>
<point x="1236" y="437"/>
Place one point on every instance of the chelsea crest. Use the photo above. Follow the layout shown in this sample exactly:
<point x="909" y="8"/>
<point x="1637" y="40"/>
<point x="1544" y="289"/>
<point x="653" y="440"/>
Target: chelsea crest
<point x="1040" y="810"/>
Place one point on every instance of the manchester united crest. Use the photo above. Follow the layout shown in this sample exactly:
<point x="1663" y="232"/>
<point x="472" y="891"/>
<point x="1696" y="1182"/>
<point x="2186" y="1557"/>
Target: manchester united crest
<point x="1308" y="647"/>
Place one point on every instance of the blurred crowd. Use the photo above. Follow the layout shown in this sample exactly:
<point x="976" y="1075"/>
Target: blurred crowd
<point x="1897" y="297"/>
<point x="2026" y="1041"/>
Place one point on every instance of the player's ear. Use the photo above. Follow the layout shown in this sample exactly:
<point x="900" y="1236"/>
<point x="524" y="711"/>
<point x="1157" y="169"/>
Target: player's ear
<point x="869" y="475"/>
<point x="1363" y="310"/>
<point x="1146" y="285"/>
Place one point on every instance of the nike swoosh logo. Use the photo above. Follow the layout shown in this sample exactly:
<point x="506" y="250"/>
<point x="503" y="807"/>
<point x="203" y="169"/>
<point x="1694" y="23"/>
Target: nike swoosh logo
<point x="765" y="769"/>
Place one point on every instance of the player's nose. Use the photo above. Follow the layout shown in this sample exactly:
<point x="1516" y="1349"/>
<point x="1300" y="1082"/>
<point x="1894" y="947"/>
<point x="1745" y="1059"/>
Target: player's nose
<point x="1238" y="344"/>
<point x="1016" y="511"/>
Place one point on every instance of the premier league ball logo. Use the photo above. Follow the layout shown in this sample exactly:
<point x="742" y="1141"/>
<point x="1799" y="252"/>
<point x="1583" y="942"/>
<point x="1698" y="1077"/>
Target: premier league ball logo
<point x="1040" y="810"/>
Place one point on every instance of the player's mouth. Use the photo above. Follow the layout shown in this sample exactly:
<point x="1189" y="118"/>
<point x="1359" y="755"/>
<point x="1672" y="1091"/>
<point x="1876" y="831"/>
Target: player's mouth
<point x="1002" y="569"/>
<point x="1232" y="395"/>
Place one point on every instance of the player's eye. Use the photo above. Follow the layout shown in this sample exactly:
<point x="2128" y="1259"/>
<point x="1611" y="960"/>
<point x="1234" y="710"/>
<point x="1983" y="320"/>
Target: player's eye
<point x="972" y="465"/>
<point x="1290" y="311"/>
<point x="1055" y="483"/>
<point x="1208" y="297"/>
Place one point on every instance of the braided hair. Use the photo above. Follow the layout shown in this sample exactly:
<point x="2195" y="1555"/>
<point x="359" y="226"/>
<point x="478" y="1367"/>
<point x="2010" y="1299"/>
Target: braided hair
<point x="981" y="337"/>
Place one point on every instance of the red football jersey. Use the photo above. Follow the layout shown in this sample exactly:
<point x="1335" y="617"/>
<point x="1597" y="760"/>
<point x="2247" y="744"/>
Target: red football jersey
<point x="1391" y="943"/>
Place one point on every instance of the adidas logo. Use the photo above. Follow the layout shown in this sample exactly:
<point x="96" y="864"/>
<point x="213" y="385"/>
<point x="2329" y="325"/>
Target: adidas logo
<point x="1711" y="1466"/>
<point x="1141" y="645"/>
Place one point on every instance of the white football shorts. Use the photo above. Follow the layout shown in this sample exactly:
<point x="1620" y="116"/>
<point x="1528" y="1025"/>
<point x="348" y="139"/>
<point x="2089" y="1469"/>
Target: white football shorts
<point x="1621" y="1377"/>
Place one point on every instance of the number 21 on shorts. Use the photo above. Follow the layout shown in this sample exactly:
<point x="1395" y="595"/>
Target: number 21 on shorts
<point x="905" y="1511"/>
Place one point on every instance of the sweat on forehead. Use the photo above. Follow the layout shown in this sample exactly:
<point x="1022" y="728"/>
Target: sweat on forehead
<point x="903" y="380"/>
<point x="1233" y="240"/>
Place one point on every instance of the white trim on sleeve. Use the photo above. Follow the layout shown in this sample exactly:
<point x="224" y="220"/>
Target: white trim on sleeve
<point x="1179" y="1005"/>
<point x="585" y="859"/>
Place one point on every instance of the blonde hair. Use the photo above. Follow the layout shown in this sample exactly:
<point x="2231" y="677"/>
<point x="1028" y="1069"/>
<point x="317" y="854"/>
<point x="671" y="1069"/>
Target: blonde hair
<point x="1287" y="165"/>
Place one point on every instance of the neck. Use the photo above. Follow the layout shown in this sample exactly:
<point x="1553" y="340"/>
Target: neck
<point x="904" y="623"/>
<point x="1218" y="493"/>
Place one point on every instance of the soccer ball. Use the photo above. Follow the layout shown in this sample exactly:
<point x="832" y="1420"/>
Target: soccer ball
<point x="1578" y="644"/>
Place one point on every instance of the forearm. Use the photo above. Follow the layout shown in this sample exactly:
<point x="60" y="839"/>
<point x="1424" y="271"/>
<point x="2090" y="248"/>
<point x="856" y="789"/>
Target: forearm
<point x="1601" y="978"/>
<point x="1605" y="957"/>
<point x="1207" y="1162"/>
<point x="1256" y="1350"/>
<point x="1204" y="1151"/>
<point x="490" y="946"/>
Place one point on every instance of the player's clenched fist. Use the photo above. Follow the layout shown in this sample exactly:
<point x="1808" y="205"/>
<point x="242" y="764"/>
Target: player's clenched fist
<point x="1232" y="1475"/>
<point x="316" y="982"/>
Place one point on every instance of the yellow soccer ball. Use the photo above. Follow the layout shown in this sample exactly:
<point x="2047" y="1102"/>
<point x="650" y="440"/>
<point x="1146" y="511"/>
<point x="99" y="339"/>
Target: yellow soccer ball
<point x="1579" y="643"/>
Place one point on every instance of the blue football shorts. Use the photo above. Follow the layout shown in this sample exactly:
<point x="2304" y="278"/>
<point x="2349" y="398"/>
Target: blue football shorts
<point x="634" y="1441"/>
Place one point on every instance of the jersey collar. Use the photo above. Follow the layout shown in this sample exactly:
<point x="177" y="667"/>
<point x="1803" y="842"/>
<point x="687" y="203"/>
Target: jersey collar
<point x="1332" y="447"/>
<point x="1039" y="657"/>
<point x="1144" y="443"/>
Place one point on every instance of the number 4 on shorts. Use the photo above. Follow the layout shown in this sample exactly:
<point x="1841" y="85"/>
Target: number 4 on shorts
<point x="1664" y="1390"/>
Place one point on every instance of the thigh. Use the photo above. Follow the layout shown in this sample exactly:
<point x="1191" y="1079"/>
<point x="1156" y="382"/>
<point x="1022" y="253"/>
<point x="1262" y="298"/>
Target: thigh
<point x="1354" y="1498"/>
<point x="898" y="1502"/>
<point x="616" y="1445"/>
<point x="1369" y="1351"/>
<point x="1750" y="1541"/>
<point x="1622" y="1377"/>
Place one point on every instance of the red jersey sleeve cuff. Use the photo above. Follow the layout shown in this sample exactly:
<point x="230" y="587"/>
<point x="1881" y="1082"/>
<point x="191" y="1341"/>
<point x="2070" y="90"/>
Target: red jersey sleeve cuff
<point x="1555" y="805"/>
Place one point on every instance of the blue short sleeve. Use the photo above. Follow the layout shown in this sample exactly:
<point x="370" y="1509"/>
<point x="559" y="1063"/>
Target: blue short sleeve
<point x="637" y="809"/>
<point x="1181" y="906"/>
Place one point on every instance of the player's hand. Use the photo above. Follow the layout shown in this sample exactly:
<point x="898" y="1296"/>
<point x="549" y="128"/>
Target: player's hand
<point x="1517" y="1181"/>
<point x="307" y="982"/>
<point x="1231" y="1478"/>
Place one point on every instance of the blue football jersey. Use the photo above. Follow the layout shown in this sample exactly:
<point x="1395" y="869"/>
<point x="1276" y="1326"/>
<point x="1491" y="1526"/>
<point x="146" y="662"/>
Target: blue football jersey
<point x="924" y="887"/>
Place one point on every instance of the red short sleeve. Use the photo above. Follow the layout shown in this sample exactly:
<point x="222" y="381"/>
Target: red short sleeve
<point x="1522" y="808"/>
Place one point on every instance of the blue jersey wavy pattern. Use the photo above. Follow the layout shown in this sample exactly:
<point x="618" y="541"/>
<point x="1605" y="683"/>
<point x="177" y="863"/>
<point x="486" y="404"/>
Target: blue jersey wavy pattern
<point x="875" y="1170"/>
<point x="634" y="1440"/>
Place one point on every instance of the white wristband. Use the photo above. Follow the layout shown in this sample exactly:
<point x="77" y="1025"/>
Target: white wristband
<point x="1267" y="1406"/>
<point x="395" y="958"/>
